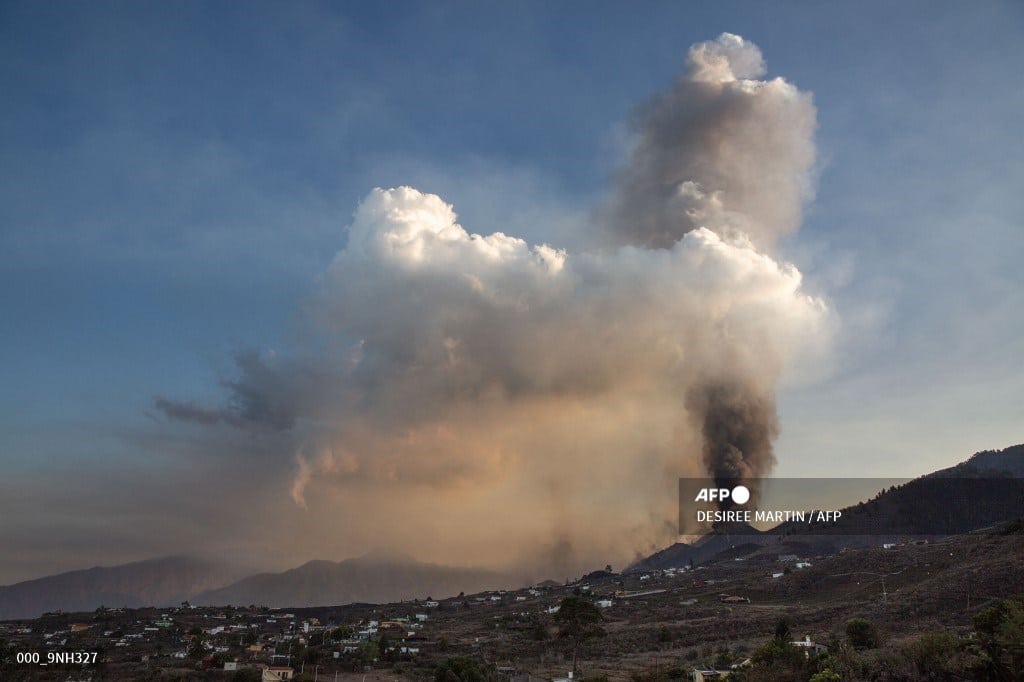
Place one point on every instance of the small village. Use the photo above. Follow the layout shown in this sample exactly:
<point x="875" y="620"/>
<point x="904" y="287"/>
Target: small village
<point x="281" y="644"/>
<point x="699" y="623"/>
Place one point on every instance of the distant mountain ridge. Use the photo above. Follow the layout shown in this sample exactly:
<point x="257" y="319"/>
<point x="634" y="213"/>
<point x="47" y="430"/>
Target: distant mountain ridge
<point x="163" y="581"/>
<point x="378" y="577"/>
<point x="370" y="578"/>
<point x="1010" y="460"/>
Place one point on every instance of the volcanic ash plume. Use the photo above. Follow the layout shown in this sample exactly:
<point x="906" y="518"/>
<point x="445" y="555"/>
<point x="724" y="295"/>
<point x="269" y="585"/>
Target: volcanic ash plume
<point x="724" y="152"/>
<point x="739" y="425"/>
<point x="498" y="402"/>
<point x="719" y="151"/>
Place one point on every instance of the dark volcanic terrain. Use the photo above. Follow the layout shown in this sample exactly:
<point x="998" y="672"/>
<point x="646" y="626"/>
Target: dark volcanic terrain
<point x="671" y="620"/>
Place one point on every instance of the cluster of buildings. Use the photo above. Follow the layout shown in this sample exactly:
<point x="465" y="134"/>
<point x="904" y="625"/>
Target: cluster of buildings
<point x="224" y="638"/>
<point x="281" y="643"/>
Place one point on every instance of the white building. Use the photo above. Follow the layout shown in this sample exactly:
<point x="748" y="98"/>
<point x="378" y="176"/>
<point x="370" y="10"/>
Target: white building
<point x="808" y="646"/>
<point x="276" y="673"/>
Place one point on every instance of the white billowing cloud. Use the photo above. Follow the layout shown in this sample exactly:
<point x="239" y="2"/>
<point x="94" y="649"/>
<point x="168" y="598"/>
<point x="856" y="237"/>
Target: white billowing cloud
<point x="469" y="397"/>
<point x="480" y="367"/>
<point x="461" y="312"/>
<point x="729" y="58"/>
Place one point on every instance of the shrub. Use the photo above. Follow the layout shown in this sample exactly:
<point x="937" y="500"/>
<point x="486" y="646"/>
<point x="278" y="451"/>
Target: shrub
<point x="826" y="675"/>
<point x="862" y="634"/>
<point x="1001" y="636"/>
<point x="783" y="631"/>
<point x="935" y="654"/>
<point x="462" y="669"/>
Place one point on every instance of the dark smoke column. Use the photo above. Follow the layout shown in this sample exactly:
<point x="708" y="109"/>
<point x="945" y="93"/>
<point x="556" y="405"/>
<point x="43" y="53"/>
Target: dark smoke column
<point x="738" y="424"/>
<point x="728" y="151"/>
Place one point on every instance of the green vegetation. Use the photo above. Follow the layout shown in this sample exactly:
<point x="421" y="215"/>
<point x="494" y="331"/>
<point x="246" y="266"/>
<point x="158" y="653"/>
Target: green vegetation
<point x="993" y="653"/>
<point x="783" y="629"/>
<point x="462" y="669"/>
<point x="578" y="620"/>
<point x="936" y="655"/>
<point x="862" y="634"/>
<point x="1001" y="639"/>
<point x="196" y="649"/>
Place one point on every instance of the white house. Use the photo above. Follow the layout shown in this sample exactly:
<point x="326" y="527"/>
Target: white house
<point x="808" y="646"/>
<point x="276" y="673"/>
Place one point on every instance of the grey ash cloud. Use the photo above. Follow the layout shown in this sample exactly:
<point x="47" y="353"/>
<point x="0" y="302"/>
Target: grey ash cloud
<point x="487" y="396"/>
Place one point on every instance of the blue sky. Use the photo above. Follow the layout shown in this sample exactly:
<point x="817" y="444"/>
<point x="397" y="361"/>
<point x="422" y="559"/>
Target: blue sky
<point x="176" y="178"/>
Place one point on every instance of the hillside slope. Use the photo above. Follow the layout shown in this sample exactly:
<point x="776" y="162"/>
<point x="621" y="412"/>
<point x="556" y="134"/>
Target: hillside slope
<point x="365" y="579"/>
<point x="163" y="581"/>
